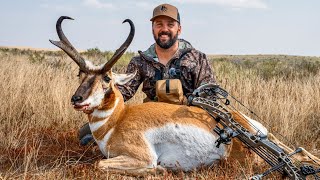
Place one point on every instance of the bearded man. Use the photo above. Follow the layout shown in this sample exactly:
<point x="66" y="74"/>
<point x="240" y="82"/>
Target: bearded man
<point x="168" y="58"/>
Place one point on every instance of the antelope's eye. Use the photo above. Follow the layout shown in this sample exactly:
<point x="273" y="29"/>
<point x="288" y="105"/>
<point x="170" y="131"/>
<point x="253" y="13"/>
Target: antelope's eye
<point x="106" y="78"/>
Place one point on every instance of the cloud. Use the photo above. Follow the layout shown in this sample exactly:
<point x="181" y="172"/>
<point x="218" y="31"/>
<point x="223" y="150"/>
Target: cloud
<point x="145" y="4"/>
<point x="255" y="4"/>
<point x="58" y="8"/>
<point x="98" y="4"/>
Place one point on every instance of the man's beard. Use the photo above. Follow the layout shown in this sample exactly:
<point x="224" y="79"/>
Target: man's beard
<point x="166" y="44"/>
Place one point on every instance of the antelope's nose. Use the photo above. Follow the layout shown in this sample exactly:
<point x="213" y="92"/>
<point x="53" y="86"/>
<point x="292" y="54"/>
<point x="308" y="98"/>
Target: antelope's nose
<point x="75" y="98"/>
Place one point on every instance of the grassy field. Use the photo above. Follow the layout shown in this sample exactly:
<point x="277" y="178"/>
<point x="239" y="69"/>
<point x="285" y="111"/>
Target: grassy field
<point x="38" y="126"/>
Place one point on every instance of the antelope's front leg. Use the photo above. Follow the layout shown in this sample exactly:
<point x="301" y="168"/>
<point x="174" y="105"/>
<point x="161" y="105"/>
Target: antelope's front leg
<point x="128" y="165"/>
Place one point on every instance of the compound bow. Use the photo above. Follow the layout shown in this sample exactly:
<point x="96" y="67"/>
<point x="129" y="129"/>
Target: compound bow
<point x="207" y="97"/>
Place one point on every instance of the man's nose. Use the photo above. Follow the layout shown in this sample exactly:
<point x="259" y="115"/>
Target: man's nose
<point x="164" y="28"/>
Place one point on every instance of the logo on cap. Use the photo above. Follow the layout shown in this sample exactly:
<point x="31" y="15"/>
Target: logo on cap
<point x="163" y="8"/>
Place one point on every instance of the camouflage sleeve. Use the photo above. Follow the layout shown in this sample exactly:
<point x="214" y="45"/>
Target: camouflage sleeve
<point x="129" y="89"/>
<point x="203" y="72"/>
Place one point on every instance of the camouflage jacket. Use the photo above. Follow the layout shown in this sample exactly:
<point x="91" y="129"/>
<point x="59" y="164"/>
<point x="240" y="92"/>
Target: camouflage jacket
<point x="194" y="68"/>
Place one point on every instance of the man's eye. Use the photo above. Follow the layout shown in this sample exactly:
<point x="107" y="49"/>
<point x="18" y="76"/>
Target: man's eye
<point x="106" y="78"/>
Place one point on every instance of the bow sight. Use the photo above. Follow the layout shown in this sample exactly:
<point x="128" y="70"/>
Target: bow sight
<point x="208" y="97"/>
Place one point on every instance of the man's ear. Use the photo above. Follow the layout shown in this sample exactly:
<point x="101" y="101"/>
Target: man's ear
<point x="122" y="79"/>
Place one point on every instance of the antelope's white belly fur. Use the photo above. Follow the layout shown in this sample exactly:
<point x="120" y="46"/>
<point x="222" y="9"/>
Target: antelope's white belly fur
<point x="185" y="147"/>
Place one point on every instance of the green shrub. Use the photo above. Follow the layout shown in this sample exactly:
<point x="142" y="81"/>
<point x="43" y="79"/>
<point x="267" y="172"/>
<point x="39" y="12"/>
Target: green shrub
<point x="269" y="67"/>
<point x="36" y="57"/>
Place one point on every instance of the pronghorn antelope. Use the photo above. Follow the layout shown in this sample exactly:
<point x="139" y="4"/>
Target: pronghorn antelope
<point x="144" y="138"/>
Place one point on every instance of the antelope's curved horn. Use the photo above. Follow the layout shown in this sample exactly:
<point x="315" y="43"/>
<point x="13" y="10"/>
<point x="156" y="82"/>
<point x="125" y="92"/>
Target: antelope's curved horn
<point x="66" y="46"/>
<point x="119" y="52"/>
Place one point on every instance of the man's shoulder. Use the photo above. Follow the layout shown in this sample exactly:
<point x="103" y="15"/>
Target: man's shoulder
<point x="197" y="52"/>
<point x="135" y="60"/>
<point x="139" y="60"/>
<point x="194" y="55"/>
<point x="185" y="46"/>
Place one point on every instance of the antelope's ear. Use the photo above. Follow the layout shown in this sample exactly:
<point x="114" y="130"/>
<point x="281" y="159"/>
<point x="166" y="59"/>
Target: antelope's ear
<point x="122" y="79"/>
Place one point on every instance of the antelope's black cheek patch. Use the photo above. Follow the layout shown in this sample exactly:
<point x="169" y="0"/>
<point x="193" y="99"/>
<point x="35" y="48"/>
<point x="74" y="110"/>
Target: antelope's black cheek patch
<point x="106" y="78"/>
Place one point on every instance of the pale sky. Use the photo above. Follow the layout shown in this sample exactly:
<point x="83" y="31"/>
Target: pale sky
<point x="212" y="26"/>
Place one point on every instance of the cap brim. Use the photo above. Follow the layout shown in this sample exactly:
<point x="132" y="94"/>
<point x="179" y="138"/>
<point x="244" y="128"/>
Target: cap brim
<point x="152" y="19"/>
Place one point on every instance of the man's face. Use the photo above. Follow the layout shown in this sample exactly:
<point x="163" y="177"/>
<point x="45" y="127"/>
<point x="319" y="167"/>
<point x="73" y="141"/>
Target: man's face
<point x="165" y="31"/>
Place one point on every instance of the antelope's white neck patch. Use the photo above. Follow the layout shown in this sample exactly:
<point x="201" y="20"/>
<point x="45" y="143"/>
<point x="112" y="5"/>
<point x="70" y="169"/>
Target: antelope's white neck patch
<point x="91" y="66"/>
<point x="101" y="114"/>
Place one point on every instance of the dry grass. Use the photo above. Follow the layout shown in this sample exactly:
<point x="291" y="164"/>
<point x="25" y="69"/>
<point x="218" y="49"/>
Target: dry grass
<point x="38" y="126"/>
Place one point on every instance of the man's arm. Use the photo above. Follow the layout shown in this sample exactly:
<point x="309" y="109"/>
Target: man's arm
<point x="129" y="89"/>
<point x="203" y="72"/>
